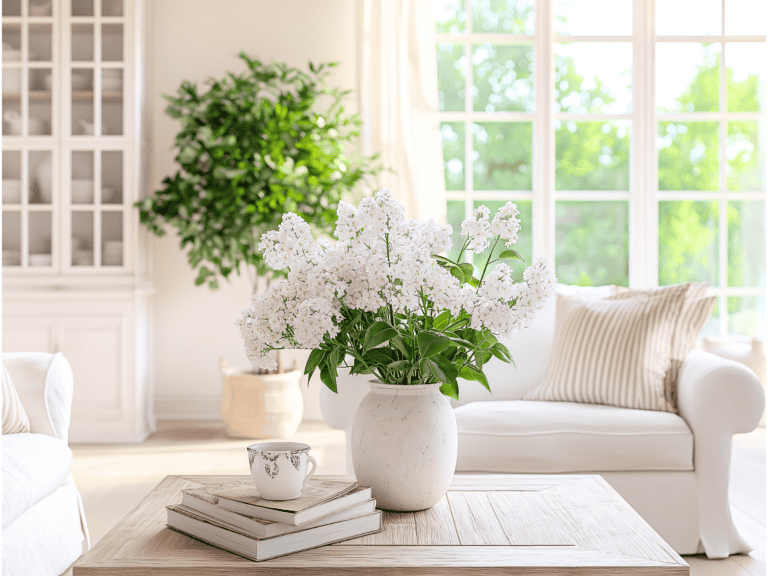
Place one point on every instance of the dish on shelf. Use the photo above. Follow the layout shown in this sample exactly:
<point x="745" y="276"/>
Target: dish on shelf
<point x="10" y="54"/>
<point x="80" y="81"/>
<point x="82" y="191"/>
<point x="11" y="258"/>
<point x="11" y="192"/>
<point x="88" y="127"/>
<point x="82" y="257"/>
<point x="40" y="8"/>
<point x="111" y="84"/>
<point x="107" y="194"/>
<point x="113" y="247"/>
<point x="40" y="259"/>
<point x="14" y="120"/>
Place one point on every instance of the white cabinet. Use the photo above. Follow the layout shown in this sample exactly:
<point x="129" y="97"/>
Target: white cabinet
<point x="75" y="272"/>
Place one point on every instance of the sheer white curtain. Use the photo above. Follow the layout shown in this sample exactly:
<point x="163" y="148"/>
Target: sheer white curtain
<point x="398" y="94"/>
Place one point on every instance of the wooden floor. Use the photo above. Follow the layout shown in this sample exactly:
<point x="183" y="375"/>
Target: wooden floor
<point x="114" y="478"/>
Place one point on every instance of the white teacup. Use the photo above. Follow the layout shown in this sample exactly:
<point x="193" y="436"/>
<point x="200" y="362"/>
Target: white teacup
<point x="279" y="469"/>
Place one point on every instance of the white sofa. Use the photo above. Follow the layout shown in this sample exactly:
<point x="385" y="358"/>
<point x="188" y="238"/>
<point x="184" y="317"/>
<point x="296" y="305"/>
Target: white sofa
<point x="44" y="528"/>
<point x="672" y="469"/>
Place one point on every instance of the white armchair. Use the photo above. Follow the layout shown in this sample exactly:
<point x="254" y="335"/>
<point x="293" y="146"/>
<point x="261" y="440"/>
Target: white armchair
<point x="44" y="527"/>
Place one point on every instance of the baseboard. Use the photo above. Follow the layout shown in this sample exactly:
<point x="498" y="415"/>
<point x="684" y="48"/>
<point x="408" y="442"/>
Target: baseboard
<point x="187" y="407"/>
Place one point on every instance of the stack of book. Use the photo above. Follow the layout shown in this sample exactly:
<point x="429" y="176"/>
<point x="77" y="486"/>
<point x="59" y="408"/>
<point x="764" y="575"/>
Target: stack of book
<point x="232" y="516"/>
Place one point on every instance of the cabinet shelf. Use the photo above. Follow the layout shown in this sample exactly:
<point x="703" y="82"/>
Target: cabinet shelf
<point x="77" y="96"/>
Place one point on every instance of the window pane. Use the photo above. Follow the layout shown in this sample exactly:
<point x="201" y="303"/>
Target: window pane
<point x="745" y="156"/>
<point x="592" y="243"/>
<point x="450" y="16"/>
<point x="593" y="17"/>
<point x="744" y="74"/>
<point x="593" y="78"/>
<point x="501" y="155"/>
<point x="592" y="155"/>
<point x="746" y="244"/>
<point x="503" y="78"/>
<point x="452" y="134"/>
<point x="524" y="245"/>
<point x="451" y="72"/>
<point x="688" y="242"/>
<point x="455" y="218"/>
<point x="712" y="327"/>
<point x="746" y="316"/>
<point x="687" y="77"/>
<point x="746" y="17"/>
<point x="689" y="156"/>
<point x="512" y="16"/>
<point x="11" y="238"/>
<point x="689" y="17"/>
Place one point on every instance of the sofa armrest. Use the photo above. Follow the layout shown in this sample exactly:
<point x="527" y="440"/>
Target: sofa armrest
<point x="45" y="385"/>
<point x="717" y="398"/>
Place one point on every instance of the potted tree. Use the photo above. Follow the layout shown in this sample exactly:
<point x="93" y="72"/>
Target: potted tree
<point x="252" y="147"/>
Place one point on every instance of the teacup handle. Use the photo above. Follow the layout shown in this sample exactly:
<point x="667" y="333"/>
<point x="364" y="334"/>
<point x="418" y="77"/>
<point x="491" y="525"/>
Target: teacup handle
<point x="311" y="473"/>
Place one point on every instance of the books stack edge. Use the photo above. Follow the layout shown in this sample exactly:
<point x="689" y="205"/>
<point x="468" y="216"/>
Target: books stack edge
<point x="224" y="517"/>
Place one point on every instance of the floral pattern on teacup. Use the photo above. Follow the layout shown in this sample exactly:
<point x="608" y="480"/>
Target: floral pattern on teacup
<point x="271" y="467"/>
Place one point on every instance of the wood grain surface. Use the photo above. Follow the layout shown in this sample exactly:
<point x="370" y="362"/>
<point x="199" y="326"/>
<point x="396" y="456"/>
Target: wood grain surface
<point x="486" y="524"/>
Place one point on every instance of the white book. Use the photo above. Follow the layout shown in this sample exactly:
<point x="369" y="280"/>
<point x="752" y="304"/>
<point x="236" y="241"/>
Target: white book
<point x="322" y="497"/>
<point x="234" y="541"/>
<point x="206" y="504"/>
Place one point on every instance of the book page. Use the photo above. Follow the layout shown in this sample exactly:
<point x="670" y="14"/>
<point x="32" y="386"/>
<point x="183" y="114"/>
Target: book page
<point x="317" y="492"/>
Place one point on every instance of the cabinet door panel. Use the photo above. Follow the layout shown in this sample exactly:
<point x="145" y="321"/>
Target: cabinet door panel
<point x="27" y="335"/>
<point x="95" y="349"/>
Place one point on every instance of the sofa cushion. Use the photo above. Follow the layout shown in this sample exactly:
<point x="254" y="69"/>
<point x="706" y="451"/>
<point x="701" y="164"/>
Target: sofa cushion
<point x="560" y="437"/>
<point x="34" y="465"/>
<point x="15" y="418"/>
<point x="530" y="349"/>
<point x="613" y="351"/>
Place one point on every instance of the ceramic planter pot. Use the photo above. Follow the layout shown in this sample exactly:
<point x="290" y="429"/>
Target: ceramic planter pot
<point x="404" y="445"/>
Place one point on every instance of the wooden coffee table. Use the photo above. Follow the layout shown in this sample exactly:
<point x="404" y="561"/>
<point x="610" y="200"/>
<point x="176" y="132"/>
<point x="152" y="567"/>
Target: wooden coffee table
<point x="487" y="524"/>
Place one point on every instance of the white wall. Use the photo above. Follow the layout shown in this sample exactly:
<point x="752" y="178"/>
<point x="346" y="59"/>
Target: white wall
<point x="194" y="40"/>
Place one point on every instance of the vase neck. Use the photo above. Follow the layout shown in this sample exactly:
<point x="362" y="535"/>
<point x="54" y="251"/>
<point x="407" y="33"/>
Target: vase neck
<point x="393" y="389"/>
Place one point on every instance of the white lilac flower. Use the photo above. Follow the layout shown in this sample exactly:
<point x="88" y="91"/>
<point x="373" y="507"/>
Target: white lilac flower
<point x="381" y="261"/>
<point x="506" y="223"/>
<point x="477" y="229"/>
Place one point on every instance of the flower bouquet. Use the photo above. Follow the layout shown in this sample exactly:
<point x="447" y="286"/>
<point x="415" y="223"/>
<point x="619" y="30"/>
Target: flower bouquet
<point x="383" y="301"/>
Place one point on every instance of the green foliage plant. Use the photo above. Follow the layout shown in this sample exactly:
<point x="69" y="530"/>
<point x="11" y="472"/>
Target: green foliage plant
<point x="252" y="147"/>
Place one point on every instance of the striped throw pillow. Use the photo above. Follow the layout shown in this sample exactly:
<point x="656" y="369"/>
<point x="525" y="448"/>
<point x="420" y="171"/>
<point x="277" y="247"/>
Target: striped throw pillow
<point x="614" y="351"/>
<point x="15" y="418"/>
<point x="694" y="313"/>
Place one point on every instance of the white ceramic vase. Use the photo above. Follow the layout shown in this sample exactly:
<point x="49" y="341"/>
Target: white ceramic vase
<point x="404" y="445"/>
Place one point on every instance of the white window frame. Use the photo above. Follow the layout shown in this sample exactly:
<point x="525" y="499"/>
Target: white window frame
<point x="644" y="194"/>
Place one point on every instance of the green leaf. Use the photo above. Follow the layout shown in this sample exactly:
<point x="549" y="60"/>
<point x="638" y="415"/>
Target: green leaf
<point x="470" y="372"/>
<point x="510" y="254"/>
<point x="379" y="356"/>
<point x="400" y="366"/>
<point x="401" y="345"/>
<point x="442" y="320"/>
<point x="458" y="273"/>
<point x="328" y="377"/>
<point x="431" y="343"/>
<point x="447" y="368"/>
<point x="450" y="390"/>
<point x="315" y="358"/>
<point x="468" y="269"/>
<point x="378" y="333"/>
<point x="501" y="352"/>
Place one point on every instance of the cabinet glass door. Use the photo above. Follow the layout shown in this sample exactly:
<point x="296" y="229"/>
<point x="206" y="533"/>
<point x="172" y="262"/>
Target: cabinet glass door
<point x="28" y="208"/>
<point x="96" y="208"/>
<point x="28" y="70"/>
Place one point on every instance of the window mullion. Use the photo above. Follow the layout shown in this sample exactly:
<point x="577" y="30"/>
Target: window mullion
<point x="543" y="144"/>
<point x="649" y="235"/>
